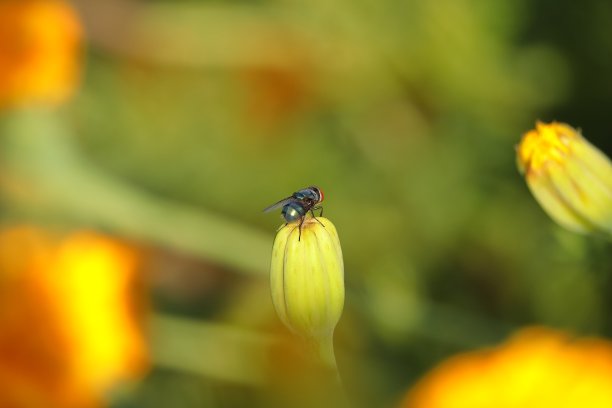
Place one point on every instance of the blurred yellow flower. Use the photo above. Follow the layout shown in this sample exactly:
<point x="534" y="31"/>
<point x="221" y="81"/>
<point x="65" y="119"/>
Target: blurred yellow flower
<point x="307" y="281"/>
<point x="70" y="324"/>
<point x="569" y="177"/>
<point x="39" y="52"/>
<point x="537" y="368"/>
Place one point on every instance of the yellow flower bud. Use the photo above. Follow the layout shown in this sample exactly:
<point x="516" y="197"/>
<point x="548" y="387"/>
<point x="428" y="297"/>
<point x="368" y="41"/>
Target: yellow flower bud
<point x="569" y="177"/>
<point x="307" y="278"/>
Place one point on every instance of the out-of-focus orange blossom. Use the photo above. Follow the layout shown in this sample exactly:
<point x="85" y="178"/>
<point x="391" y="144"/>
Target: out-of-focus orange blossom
<point x="70" y="324"/>
<point x="277" y="95"/>
<point x="536" y="368"/>
<point x="40" y="43"/>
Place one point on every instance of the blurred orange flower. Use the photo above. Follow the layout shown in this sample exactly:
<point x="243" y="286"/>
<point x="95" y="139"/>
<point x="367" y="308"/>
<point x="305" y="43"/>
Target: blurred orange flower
<point x="39" y="52"/>
<point x="70" y="325"/>
<point x="277" y="95"/>
<point x="537" y="368"/>
<point x="282" y="86"/>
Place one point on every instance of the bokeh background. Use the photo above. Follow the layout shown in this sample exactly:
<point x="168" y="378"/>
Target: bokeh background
<point x="135" y="164"/>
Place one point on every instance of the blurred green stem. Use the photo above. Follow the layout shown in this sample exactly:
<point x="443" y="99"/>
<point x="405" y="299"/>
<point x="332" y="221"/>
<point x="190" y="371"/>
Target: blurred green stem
<point x="42" y="173"/>
<point x="322" y="351"/>
<point x="211" y="350"/>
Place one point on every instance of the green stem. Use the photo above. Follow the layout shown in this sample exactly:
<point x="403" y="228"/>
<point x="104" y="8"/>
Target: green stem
<point x="322" y="349"/>
<point x="36" y="151"/>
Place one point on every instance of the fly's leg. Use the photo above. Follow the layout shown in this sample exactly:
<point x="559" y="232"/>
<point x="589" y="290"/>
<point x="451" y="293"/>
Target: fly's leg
<point x="320" y="215"/>
<point x="300" y="228"/>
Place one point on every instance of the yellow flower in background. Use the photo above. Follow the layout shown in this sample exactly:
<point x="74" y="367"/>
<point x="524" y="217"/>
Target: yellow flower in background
<point x="97" y="299"/>
<point x="307" y="281"/>
<point x="536" y="368"/>
<point x="40" y="43"/>
<point x="569" y="177"/>
<point x="70" y="319"/>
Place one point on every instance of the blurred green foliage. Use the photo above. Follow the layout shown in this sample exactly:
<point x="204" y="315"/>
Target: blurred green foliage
<point x="195" y="115"/>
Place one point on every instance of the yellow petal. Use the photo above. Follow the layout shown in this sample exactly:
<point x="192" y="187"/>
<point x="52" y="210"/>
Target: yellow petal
<point x="549" y="198"/>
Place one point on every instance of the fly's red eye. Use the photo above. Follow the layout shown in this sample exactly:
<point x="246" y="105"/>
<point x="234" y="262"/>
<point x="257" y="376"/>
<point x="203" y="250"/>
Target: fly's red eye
<point x="321" y="194"/>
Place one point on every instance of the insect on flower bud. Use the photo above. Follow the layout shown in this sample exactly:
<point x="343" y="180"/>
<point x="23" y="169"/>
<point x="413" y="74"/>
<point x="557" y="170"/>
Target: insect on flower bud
<point x="307" y="278"/>
<point x="569" y="177"/>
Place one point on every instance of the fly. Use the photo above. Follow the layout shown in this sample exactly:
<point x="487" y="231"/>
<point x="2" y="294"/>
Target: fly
<point x="296" y="206"/>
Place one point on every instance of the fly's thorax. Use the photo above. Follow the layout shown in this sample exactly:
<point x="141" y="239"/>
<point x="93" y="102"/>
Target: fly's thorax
<point x="310" y="194"/>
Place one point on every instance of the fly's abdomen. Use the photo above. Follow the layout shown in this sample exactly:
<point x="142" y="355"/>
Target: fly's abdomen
<point x="293" y="211"/>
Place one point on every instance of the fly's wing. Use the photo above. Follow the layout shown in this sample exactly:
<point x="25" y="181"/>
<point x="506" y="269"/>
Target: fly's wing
<point x="280" y="204"/>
